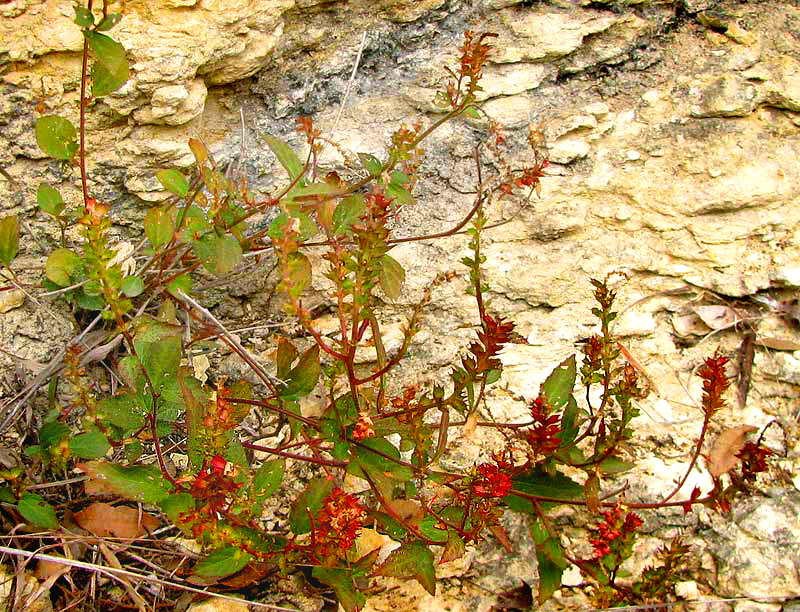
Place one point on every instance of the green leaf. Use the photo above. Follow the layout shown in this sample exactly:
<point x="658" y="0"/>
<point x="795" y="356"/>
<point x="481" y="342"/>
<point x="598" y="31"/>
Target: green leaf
<point x="176" y="504"/>
<point x="268" y="478"/>
<point x="90" y="445"/>
<point x="429" y="527"/>
<point x="181" y="283"/>
<point x="109" y="22"/>
<point x="371" y="163"/>
<point x="400" y="195"/>
<point x="309" y="501"/>
<point x="37" y="511"/>
<point x="158" y="226"/>
<point x="454" y="549"/>
<point x="222" y="562"/>
<point x="299" y="273"/>
<point x="374" y="456"/>
<point x="550" y="559"/>
<point x="133" y="450"/>
<point x="9" y="239"/>
<point x="56" y="136"/>
<point x="52" y="433"/>
<point x="132" y="286"/>
<point x="63" y="267"/>
<point x="303" y="377"/>
<point x="235" y="453"/>
<point x="341" y="581"/>
<point x="158" y="347"/>
<point x="219" y="254"/>
<point x="49" y="200"/>
<point x="392" y="277"/>
<point x="195" y="401"/>
<point x="471" y="113"/>
<point x="569" y="422"/>
<point x="557" y="389"/>
<point x="539" y="482"/>
<point x="123" y="411"/>
<point x="83" y="16"/>
<point x="174" y="182"/>
<point x="411" y="560"/>
<point x="110" y="70"/>
<point x="287" y="158"/>
<point x="7" y="495"/>
<point x="615" y="465"/>
<point x="286" y="355"/>
<point x="347" y="211"/>
<point x="131" y="371"/>
<point x="89" y="302"/>
<point x="138" y="483"/>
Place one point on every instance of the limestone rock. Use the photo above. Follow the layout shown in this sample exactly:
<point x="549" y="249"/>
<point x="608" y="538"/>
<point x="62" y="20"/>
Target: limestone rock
<point x="174" y="104"/>
<point x="218" y="604"/>
<point x="9" y="300"/>
<point x="755" y="553"/>
<point x="726" y="96"/>
<point x="568" y="150"/>
<point x="540" y="35"/>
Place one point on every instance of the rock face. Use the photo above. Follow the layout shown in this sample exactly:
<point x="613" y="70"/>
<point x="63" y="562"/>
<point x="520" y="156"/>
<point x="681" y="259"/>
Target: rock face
<point x="672" y="131"/>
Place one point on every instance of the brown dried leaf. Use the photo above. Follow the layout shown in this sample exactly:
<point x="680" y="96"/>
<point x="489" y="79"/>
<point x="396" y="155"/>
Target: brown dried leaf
<point x="471" y="425"/>
<point x="118" y="521"/>
<point x="716" y="317"/>
<point x="779" y="344"/>
<point x="251" y="573"/>
<point x="500" y="533"/>
<point x="722" y="457"/>
<point x="689" y="325"/>
<point x="45" y="569"/>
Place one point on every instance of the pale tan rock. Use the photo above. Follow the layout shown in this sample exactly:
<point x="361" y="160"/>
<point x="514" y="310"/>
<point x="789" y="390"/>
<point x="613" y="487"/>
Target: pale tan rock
<point x="568" y="150"/>
<point x="507" y="80"/>
<point x="726" y="96"/>
<point x="511" y="111"/>
<point x="218" y="604"/>
<point x="406" y="11"/>
<point x="548" y="35"/>
<point x="174" y="104"/>
<point x="9" y="300"/>
<point x="783" y="87"/>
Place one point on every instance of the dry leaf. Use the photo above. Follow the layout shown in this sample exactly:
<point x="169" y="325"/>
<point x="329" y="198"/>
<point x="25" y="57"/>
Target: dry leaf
<point x="779" y="344"/>
<point x="689" y="325"/>
<point x="722" y="457"/>
<point x="500" y="533"/>
<point x="45" y="569"/>
<point x="716" y="317"/>
<point x="252" y="573"/>
<point x="471" y="425"/>
<point x="118" y="521"/>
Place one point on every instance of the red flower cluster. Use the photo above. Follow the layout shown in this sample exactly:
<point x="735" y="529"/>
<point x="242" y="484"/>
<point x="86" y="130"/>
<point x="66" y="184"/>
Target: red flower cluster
<point x="531" y="177"/>
<point x="491" y="481"/>
<point x="363" y="427"/>
<point x="615" y="529"/>
<point x="495" y="334"/>
<point x="337" y="525"/>
<point x="543" y="435"/>
<point x="715" y="383"/>
<point x="754" y="459"/>
<point x="213" y="486"/>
